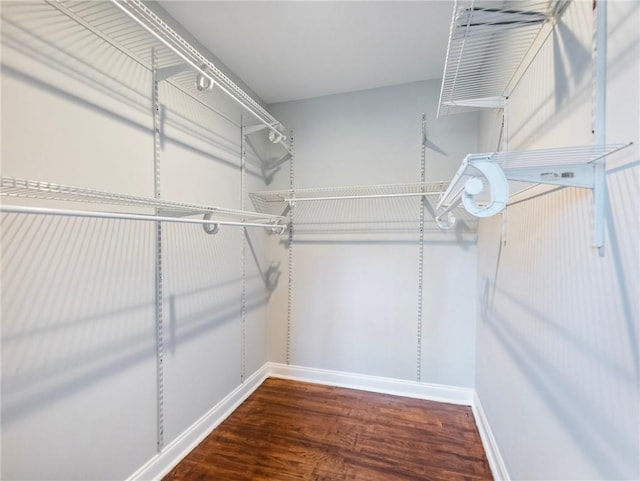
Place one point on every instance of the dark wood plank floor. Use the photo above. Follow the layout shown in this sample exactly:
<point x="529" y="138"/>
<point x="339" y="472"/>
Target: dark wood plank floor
<point x="290" y="430"/>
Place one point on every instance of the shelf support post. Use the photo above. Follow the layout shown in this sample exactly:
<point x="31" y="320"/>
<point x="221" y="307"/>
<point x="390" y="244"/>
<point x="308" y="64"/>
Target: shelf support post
<point x="159" y="280"/>
<point x="167" y="72"/>
<point x="600" y="183"/>
<point x="290" y="254"/>
<point x="244" y="233"/>
<point x="423" y="204"/>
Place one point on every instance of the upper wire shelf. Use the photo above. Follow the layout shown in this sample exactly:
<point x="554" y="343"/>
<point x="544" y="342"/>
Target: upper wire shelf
<point x="134" y="29"/>
<point x="488" y="42"/>
<point x="166" y="210"/>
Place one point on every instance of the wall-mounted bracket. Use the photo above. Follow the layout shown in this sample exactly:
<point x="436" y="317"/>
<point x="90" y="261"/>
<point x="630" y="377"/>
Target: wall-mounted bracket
<point x="482" y="174"/>
<point x="204" y="83"/>
<point x="250" y="129"/>
<point x="580" y="175"/>
<point x="275" y="135"/>
<point x="164" y="73"/>
<point x="481" y="103"/>
<point x="212" y="228"/>
<point x="446" y="221"/>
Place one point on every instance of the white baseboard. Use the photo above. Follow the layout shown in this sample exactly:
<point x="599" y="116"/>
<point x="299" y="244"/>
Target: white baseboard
<point x="496" y="463"/>
<point x="398" y="387"/>
<point x="173" y="453"/>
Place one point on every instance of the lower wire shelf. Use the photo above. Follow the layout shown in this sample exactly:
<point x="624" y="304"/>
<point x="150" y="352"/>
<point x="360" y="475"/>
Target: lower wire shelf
<point x="281" y="201"/>
<point x="164" y="210"/>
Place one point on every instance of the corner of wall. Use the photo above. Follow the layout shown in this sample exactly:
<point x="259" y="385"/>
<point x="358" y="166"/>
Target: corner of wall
<point x="496" y="463"/>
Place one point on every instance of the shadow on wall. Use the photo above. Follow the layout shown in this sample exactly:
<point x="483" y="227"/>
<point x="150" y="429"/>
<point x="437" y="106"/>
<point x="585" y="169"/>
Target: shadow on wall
<point x="116" y="86"/>
<point x="79" y="305"/>
<point x="550" y="107"/>
<point x="554" y="96"/>
<point x="568" y="319"/>
<point x="569" y="55"/>
<point x="611" y="452"/>
<point x="269" y="276"/>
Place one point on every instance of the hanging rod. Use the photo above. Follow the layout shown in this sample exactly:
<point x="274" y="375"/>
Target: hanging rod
<point x="169" y="211"/>
<point x="18" y="209"/>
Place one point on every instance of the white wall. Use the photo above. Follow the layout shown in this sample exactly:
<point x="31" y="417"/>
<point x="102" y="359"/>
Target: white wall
<point x="355" y="285"/>
<point x="78" y="303"/>
<point x="557" y="353"/>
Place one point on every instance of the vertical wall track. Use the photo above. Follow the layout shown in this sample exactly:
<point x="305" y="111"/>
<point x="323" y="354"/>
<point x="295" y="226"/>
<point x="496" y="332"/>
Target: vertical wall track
<point x="243" y="304"/>
<point x="290" y="252"/>
<point x="421" y="251"/>
<point x="505" y="147"/>
<point x="599" y="100"/>
<point x="159" y="300"/>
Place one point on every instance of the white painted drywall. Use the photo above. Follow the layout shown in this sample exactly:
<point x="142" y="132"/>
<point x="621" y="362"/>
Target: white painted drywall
<point x="78" y="303"/>
<point x="557" y="352"/>
<point x="355" y="289"/>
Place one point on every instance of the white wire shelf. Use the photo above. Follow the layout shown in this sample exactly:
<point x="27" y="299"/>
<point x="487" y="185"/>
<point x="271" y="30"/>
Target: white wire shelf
<point x="134" y="29"/>
<point x="164" y="210"/>
<point x="279" y="200"/>
<point x="484" y="183"/>
<point x="384" y="199"/>
<point x="488" y="42"/>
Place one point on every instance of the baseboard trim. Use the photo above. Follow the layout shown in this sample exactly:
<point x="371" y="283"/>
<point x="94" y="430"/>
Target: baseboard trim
<point x="496" y="463"/>
<point x="398" y="387"/>
<point x="173" y="453"/>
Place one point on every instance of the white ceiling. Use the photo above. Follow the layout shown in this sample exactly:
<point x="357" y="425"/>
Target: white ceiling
<point x="289" y="50"/>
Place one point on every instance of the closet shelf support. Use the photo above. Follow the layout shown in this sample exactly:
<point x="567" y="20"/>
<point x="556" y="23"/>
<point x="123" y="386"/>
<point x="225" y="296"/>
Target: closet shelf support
<point x="484" y="183"/>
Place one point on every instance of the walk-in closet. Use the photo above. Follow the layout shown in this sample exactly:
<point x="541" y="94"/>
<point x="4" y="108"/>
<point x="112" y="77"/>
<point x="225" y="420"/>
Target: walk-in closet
<point x="276" y="240"/>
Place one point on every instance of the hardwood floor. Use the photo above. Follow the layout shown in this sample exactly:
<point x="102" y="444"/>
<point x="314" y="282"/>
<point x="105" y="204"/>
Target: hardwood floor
<point x="290" y="430"/>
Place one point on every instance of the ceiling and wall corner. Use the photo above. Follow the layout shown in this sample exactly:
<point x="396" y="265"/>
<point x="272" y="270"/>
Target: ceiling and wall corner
<point x="296" y="50"/>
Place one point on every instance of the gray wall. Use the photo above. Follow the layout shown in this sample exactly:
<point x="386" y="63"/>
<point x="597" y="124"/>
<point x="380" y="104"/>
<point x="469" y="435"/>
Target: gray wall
<point x="78" y="315"/>
<point x="355" y="285"/>
<point x="557" y="349"/>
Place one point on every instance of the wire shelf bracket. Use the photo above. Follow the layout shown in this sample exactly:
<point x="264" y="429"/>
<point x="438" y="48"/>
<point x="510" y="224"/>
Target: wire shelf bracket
<point x="164" y="210"/>
<point x="484" y="183"/>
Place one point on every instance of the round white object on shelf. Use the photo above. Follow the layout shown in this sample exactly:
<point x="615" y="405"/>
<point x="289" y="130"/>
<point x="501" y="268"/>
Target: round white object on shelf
<point x="498" y="185"/>
<point x="473" y="186"/>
